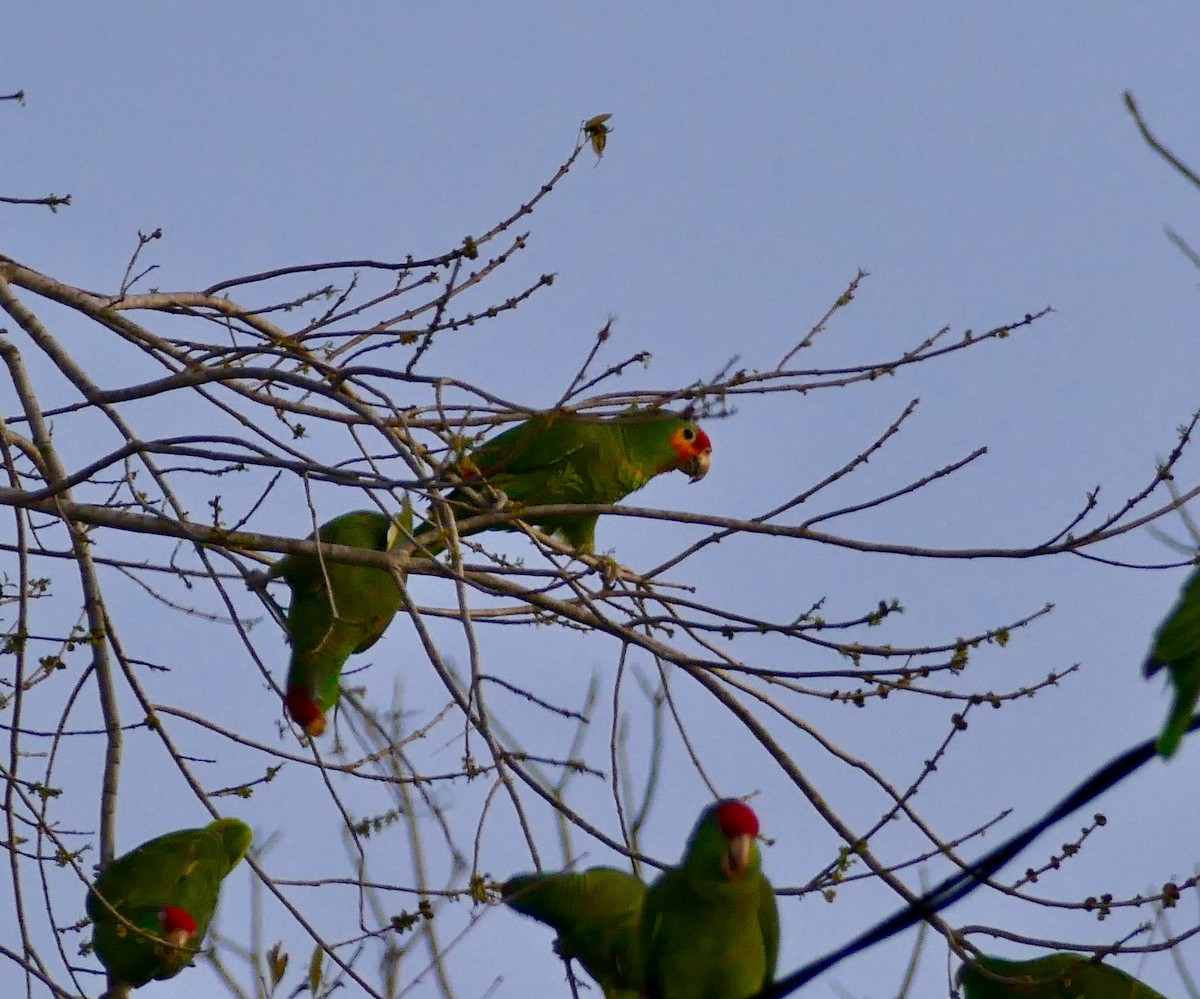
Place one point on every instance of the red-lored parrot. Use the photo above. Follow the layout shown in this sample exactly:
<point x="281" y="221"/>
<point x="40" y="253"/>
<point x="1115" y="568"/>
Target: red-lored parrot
<point x="168" y="888"/>
<point x="1054" y="976"/>
<point x="710" y="927"/>
<point x="336" y="610"/>
<point x="558" y="458"/>
<point x="596" y="915"/>
<point x="1177" y="647"/>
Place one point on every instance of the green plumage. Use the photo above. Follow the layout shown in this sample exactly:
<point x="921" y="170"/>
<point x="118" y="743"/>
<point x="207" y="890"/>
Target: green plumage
<point x="710" y="926"/>
<point x="596" y="915"/>
<point x="183" y="869"/>
<point x="564" y="458"/>
<point x="1177" y="647"/>
<point x="335" y="611"/>
<point x="1055" y="976"/>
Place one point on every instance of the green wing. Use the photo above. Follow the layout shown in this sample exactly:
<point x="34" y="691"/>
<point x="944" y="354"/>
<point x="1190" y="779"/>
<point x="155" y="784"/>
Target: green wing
<point x="768" y="921"/>
<point x="1177" y="647"/>
<point x="1055" y="976"/>
<point x="183" y="869"/>
<point x="596" y="914"/>
<point x="336" y="610"/>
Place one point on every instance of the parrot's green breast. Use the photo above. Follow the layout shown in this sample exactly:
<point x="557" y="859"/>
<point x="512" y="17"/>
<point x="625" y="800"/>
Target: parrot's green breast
<point x="708" y="933"/>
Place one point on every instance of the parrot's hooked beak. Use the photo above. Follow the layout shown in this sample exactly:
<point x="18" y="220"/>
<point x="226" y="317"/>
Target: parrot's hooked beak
<point x="304" y="710"/>
<point x="179" y="938"/>
<point x="737" y="857"/>
<point x="696" y="467"/>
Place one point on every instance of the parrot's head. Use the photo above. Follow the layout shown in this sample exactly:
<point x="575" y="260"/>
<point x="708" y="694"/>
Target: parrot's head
<point x="304" y="710"/>
<point x="739" y="826"/>
<point x="693" y="451"/>
<point x="235" y="837"/>
<point x="723" y="842"/>
<point x="177" y="926"/>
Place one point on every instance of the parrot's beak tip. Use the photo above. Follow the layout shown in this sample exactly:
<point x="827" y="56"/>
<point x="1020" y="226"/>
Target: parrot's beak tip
<point x="698" y="466"/>
<point x="179" y="938"/>
<point x="737" y="857"/>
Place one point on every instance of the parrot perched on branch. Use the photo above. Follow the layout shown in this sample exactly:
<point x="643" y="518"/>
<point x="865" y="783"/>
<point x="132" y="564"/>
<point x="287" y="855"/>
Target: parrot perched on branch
<point x="1055" y="976"/>
<point x="336" y="610"/>
<point x="710" y="927"/>
<point x="596" y="914"/>
<point x="556" y="458"/>
<point x="1177" y="646"/>
<point x="168" y="888"/>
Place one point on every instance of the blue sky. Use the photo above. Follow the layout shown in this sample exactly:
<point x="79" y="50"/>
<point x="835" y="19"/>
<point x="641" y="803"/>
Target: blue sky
<point x="976" y="159"/>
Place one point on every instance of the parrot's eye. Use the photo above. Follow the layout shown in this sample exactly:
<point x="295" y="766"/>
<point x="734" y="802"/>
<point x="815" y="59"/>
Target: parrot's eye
<point x="689" y="434"/>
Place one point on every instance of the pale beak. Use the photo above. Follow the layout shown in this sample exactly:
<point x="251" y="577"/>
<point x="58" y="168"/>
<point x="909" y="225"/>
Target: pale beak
<point x="696" y="468"/>
<point x="737" y="857"/>
<point x="178" y="938"/>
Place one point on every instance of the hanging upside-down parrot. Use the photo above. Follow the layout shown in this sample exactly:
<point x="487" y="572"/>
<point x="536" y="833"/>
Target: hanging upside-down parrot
<point x="596" y="915"/>
<point x="1177" y="647"/>
<point x="336" y="610"/>
<point x="1054" y="976"/>
<point x="710" y="927"/>
<point x="556" y="458"/>
<point x="168" y="888"/>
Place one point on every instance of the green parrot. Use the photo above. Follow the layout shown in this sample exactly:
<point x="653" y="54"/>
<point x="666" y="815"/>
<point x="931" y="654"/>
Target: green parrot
<point x="1177" y="646"/>
<point x="167" y="887"/>
<point x="710" y="927"/>
<point x="596" y="914"/>
<point x="558" y="458"/>
<point x="1055" y="976"/>
<point x="336" y="610"/>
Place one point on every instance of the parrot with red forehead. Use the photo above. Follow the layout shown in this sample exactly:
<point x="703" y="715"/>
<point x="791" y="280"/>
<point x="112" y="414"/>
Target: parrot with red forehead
<point x="336" y="611"/>
<point x="710" y="927"/>
<point x="164" y="894"/>
<point x="1177" y="647"/>
<point x="556" y="458"/>
<point x="596" y="915"/>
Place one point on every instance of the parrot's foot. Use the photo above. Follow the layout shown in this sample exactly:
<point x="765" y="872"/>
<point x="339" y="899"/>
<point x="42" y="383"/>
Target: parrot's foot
<point x="612" y="572"/>
<point x="257" y="581"/>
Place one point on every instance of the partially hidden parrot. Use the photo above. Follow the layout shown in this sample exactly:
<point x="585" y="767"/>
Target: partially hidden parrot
<point x="336" y="610"/>
<point x="1054" y="976"/>
<point x="596" y="914"/>
<point x="710" y="927"/>
<point x="556" y="458"/>
<point x="1177" y="647"/>
<point x="168" y="888"/>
